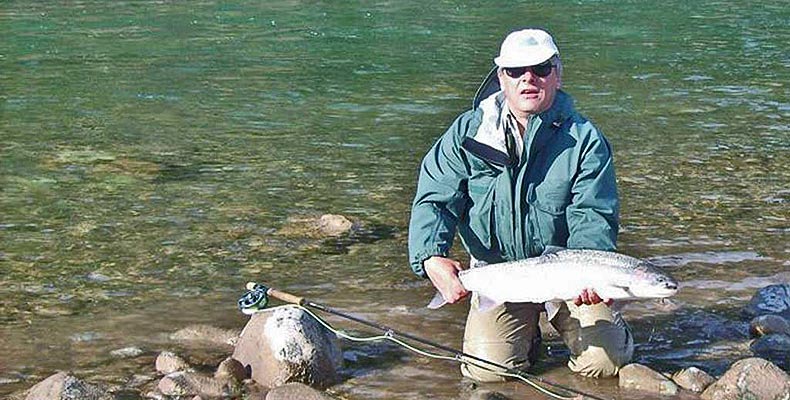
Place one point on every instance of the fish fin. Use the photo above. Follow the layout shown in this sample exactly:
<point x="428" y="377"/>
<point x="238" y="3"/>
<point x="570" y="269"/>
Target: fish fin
<point x="552" y="308"/>
<point x="485" y="303"/>
<point x="550" y="249"/>
<point x="437" y="301"/>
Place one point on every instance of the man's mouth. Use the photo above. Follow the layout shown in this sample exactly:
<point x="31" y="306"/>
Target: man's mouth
<point x="530" y="93"/>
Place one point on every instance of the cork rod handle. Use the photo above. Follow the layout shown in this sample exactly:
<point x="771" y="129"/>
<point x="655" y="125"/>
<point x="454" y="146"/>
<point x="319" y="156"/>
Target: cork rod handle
<point x="286" y="297"/>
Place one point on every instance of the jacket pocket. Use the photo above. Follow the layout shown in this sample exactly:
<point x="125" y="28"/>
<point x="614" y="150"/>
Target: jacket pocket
<point x="548" y="202"/>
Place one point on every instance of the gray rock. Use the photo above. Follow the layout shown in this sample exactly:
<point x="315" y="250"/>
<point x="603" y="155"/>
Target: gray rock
<point x="167" y="363"/>
<point x="285" y="344"/>
<point x="768" y="324"/>
<point x="774" y="348"/>
<point x="750" y="378"/>
<point x="295" y="391"/>
<point x="773" y="299"/>
<point x="693" y="379"/>
<point x="190" y="383"/>
<point x="64" y="386"/>
<point x="640" y="377"/>
<point x="231" y="369"/>
<point x="254" y="391"/>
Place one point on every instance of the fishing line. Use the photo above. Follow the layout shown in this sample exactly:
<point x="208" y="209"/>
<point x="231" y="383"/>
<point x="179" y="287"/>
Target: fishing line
<point x="425" y="353"/>
<point x="257" y="297"/>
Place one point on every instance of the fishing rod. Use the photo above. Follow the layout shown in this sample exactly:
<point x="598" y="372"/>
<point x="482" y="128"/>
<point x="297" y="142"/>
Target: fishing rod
<point x="257" y="297"/>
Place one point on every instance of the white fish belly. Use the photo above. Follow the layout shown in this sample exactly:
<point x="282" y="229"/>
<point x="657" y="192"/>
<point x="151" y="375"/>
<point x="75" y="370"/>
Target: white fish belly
<point x="539" y="283"/>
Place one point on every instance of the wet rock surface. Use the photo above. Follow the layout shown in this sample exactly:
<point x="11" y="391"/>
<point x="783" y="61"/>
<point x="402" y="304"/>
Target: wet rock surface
<point x="693" y="379"/>
<point x="773" y="300"/>
<point x="226" y="381"/>
<point x="487" y="395"/>
<point x="64" y="386"/>
<point x="774" y="348"/>
<point x="168" y="362"/>
<point x="640" y="377"/>
<point x="296" y="391"/>
<point x="751" y="378"/>
<point x="768" y="324"/>
<point x="285" y="344"/>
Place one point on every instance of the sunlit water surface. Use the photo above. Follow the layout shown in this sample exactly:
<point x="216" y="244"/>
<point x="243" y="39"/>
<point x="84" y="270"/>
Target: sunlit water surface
<point x="154" y="155"/>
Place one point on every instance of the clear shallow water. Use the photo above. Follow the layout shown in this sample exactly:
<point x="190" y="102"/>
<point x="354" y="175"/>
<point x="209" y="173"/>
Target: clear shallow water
<point x="153" y="154"/>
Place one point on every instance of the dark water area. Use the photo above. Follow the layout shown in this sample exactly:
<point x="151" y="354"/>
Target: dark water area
<point x="154" y="156"/>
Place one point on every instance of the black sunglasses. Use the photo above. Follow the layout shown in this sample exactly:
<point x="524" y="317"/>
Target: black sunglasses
<point x="542" y="70"/>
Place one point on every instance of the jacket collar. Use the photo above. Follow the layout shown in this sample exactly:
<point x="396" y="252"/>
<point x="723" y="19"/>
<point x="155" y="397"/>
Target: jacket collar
<point x="490" y="140"/>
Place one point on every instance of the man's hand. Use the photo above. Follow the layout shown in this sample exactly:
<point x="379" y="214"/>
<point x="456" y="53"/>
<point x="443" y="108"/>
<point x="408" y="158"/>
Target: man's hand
<point x="443" y="273"/>
<point x="589" y="297"/>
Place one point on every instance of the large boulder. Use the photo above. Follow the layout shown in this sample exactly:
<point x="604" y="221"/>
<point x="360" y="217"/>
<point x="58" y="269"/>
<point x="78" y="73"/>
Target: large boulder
<point x="773" y="299"/>
<point x="285" y="344"/>
<point x="640" y="377"/>
<point x="64" y="386"/>
<point x="750" y="378"/>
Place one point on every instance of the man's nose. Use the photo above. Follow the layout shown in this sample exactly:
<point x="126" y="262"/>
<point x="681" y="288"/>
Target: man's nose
<point x="529" y="76"/>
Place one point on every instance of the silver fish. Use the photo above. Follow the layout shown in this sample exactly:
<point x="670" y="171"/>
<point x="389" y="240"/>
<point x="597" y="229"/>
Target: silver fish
<point x="561" y="275"/>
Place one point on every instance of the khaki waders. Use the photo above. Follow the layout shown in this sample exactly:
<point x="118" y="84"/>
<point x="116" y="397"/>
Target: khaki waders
<point x="599" y="340"/>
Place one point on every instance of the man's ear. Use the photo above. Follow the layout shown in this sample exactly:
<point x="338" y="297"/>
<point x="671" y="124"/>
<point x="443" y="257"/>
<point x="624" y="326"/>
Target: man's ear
<point x="500" y="74"/>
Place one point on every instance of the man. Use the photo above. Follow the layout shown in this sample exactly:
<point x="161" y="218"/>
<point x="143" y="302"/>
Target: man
<point x="520" y="171"/>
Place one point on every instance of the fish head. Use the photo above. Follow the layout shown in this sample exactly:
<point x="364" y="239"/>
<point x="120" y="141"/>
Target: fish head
<point x="649" y="281"/>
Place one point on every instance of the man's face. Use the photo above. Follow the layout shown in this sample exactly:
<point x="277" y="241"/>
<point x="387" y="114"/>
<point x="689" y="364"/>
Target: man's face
<point x="529" y="93"/>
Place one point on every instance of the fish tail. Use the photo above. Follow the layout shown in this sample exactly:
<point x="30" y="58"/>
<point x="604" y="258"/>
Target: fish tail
<point x="437" y="301"/>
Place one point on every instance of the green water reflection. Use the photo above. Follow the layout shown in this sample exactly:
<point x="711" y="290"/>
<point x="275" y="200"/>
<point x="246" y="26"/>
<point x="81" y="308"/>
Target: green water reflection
<point x="153" y="153"/>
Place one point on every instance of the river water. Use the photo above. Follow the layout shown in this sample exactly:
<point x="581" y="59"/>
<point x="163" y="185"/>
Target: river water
<point x="154" y="156"/>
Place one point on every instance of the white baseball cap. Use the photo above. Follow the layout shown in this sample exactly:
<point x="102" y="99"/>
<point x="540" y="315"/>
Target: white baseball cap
<point x="525" y="48"/>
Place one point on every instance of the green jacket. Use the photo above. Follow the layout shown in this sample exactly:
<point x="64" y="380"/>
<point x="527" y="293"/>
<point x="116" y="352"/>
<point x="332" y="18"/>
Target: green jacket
<point x="561" y="192"/>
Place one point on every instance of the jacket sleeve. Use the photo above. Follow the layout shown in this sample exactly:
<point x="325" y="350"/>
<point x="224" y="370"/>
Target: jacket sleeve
<point x="441" y="198"/>
<point x="593" y="215"/>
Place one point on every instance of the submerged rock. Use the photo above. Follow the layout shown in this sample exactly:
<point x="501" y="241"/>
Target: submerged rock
<point x="64" y="386"/>
<point x="334" y="225"/>
<point x="693" y="379"/>
<point x="773" y="299"/>
<point x="750" y="378"/>
<point x="323" y="227"/>
<point x="127" y="352"/>
<point x="285" y="344"/>
<point x="206" y="335"/>
<point x="296" y="391"/>
<point x="640" y="377"/>
<point x="768" y="324"/>
<point x="774" y="348"/>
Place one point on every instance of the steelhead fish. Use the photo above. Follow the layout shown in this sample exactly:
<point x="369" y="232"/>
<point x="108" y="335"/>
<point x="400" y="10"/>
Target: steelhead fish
<point x="561" y="275"/>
